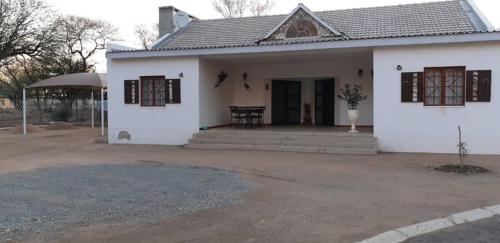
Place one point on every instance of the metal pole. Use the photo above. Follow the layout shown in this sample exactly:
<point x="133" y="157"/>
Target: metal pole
<point x="102" y="112"/>
<point x="24" y="113"/>
<point x="92" y="106"/>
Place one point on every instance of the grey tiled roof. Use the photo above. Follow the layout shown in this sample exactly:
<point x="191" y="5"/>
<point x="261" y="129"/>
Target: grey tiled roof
<point x="424" y="19"/>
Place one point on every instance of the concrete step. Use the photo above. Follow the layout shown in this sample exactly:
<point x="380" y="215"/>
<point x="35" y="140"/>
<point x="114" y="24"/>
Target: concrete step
<point x="310" y="142"/>
<point x="301" y="149"/>
<point x="320" y="137"/>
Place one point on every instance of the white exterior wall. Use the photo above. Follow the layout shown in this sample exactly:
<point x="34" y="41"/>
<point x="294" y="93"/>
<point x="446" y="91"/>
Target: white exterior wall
<point x="214" y="101"/>
<point x="170" y="125"/>
<point x="412" y="127"/>
<point x="344" y="68"/>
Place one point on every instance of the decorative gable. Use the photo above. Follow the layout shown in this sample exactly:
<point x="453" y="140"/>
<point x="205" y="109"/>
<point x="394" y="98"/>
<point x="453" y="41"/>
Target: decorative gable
<point x="301" y="23"/>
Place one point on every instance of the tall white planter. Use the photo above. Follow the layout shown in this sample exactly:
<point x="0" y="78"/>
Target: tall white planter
<point x="353" y="118"/>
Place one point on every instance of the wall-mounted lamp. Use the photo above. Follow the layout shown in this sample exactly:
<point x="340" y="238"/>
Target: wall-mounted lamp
<point x="400" y="68"/>
<point x="360" y="73"/>
<point x="245" y="76"/>
<point x="181" y="75"/>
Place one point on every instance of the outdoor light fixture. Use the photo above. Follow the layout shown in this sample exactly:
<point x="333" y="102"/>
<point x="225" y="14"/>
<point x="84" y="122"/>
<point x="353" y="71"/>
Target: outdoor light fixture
<point x="245" y="76"/>
<point x="360" y="73"/>
<point x="400" y="68"/>
<point x="181" y="75"/>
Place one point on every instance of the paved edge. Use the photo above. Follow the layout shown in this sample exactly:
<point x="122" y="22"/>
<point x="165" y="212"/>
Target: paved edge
<point x="405" y="233"/>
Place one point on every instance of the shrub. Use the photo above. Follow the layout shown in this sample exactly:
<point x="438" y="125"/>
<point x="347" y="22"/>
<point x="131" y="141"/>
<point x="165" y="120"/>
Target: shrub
<point x="61" y="113"/>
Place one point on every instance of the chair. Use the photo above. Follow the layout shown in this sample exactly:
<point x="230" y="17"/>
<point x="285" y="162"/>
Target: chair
<point x="257" y="114"/>
<point x="239" y="116"/>
<point x="245" y="117"/>
<point x="234" y="115"/>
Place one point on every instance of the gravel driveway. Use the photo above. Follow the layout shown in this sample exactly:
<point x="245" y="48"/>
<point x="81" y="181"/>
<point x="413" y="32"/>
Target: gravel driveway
<point x="50" y="199"/>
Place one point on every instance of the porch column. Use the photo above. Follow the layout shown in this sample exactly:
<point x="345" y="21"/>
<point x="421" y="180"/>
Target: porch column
<point x="24" y="112"/>
<point x="102" y="112"/>
<point x="92" y="108"/>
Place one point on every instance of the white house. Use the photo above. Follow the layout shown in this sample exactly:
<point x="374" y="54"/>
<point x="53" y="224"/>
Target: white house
<point x="427" y="68"/>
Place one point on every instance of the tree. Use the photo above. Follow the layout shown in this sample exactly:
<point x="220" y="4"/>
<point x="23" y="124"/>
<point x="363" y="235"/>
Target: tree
<point x="146" y="35"/>
<point x="81" y="38"/>
<point x="260" y="7"/>
<point x="241" y="8"/>
<point x="74" y="42"/>
<point x="230" y="8"/>
<point x="22" y="28"/>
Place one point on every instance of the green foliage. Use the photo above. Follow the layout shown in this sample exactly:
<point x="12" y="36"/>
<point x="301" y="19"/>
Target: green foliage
<point x="62" y="113"/>
<point x="353" y="96"/>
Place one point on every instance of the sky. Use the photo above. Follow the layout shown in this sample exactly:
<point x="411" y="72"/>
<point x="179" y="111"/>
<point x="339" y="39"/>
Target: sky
<point x="126" y="14"/>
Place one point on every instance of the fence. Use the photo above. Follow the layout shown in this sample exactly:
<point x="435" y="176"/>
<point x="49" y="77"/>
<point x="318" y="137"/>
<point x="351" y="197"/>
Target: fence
<point x="43" y="111"/>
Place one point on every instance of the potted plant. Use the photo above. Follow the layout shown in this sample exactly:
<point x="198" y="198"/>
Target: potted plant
<point x="353" y="96"/>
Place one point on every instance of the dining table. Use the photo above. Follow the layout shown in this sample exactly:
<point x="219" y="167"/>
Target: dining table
<point x="247" y="116"/>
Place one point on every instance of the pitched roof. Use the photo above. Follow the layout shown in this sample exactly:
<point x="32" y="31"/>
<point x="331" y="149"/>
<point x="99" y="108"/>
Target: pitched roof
<point x="411" y="20"/>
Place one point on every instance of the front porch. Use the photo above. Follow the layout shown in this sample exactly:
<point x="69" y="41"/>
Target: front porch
<point x="298" y="88"/>
<point x="299" y="93"/>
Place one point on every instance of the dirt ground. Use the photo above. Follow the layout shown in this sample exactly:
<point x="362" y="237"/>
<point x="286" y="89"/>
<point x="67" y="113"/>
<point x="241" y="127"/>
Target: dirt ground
<point x="295" y="197"/>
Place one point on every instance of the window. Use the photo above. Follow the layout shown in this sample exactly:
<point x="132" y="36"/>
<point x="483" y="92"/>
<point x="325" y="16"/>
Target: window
<point x="157" y="91"/>
<point x="301" y="28"/>
<point x="153" y="91"/>
<point x="444" y="86"/>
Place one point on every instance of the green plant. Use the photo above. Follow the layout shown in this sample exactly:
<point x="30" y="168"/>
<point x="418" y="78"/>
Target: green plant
<point x="61" y="113"/>
<point x="463" y="150"/>
<point x="353" y="96"/>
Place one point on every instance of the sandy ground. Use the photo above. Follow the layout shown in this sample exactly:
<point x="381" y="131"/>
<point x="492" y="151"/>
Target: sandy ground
<point x="296" y="197"/>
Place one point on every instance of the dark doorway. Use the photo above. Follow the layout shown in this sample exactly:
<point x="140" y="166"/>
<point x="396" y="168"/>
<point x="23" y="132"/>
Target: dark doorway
<point x="286" y="100"/>
<point x="324" y="102"/>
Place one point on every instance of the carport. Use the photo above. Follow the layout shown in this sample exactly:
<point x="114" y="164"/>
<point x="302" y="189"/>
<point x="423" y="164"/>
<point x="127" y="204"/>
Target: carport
<point x="79" y="81"/>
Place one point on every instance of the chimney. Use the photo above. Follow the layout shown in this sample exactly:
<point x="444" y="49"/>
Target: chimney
<point x="166" y="24"/>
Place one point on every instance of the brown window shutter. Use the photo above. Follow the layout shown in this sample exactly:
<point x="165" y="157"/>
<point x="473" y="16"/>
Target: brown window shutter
<point x="478" y="86"/>
<point x="412" y="87"/>
<point x="420" y="83"/>
<point x="128" y="91"/>
<point x="484" y="86"/>
<point x="135" y="87"/>
<point x="406" y="87"/>
<point x="469" y="97"/>
<point x="131" y="88"/>
<point x="168" y="99"/>
<point x="176" y="91"/>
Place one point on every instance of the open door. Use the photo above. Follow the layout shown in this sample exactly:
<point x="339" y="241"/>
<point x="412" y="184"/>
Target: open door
<point x="286" y="100"/>
<point x="324" y="102"/>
